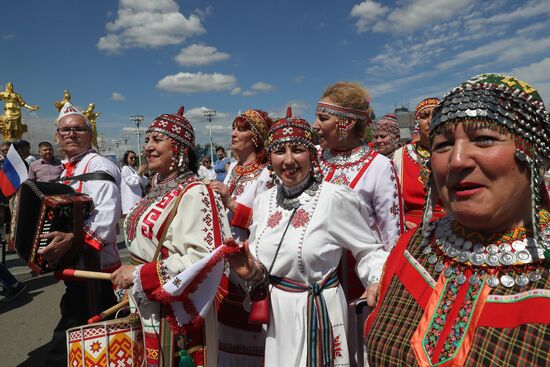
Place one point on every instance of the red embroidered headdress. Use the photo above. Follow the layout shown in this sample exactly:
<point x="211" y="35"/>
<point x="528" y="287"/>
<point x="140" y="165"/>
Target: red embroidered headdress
<point x="426" y="103"/>
<point x="290" y="130"/>
<point x="259" y="124"/>
<point x="175" y="126"/>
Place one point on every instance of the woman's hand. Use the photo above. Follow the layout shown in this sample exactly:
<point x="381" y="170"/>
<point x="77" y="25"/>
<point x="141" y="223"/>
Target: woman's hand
<point x="371" y="294"/>
<point x="243" y="263"/>
<point x="410" y="225"/>
<point x="123" y="277"/>
<point x="225" y="195"/>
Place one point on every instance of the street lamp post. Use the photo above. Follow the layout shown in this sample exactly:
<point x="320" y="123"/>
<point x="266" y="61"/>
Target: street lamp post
<point x="138" y="119"/>
<point x="117" y="145"/>
<point x="209" y="114"/>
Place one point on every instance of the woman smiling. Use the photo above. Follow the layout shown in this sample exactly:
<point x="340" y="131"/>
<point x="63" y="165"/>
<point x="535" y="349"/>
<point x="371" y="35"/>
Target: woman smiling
<point x="471" y="289"/>
<point x="298" y="234"/>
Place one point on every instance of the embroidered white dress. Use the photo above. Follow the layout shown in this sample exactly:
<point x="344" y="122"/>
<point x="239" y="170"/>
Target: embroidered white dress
<point x="190" y="236"/>
<point x="100" y="227"/>
<point x="326" y="223"/>
<point x="131" y="187"/>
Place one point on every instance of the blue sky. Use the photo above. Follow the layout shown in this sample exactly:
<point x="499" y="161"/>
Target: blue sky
<point x="150" y="57"/>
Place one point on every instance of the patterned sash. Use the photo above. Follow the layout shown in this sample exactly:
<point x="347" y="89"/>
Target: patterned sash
<point x="320" y="350"/>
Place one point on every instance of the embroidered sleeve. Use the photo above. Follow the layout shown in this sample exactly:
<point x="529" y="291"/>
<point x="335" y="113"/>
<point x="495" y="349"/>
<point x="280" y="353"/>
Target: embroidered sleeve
<point x="137" y="288"/>
<point x="100" y="227"/>
<point x="387" y="204"/>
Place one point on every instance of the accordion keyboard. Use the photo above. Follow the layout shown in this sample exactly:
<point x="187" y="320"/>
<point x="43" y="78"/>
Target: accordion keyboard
<point x="46" y="228"/>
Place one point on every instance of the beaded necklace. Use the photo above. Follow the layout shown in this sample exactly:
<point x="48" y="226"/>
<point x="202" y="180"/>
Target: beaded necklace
<point x="331" y="160"/>
<point x="159" y="190"/>
<point x="508" y="258"/>
<point x="420" y="156"/>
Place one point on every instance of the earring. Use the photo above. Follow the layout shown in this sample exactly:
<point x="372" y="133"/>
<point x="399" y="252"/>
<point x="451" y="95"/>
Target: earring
<point x="343" y="131"/>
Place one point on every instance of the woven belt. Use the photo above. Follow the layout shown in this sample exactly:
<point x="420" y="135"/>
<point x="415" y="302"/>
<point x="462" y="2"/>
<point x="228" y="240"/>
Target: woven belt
<point x="320" y="351"/>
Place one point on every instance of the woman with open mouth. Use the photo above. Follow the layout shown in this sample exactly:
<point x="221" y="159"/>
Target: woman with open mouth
<point x="471" y="289"/>
<point x="343" y="115"/>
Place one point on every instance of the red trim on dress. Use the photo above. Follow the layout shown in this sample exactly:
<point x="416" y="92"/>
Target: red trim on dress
<point x="242" y="216"/>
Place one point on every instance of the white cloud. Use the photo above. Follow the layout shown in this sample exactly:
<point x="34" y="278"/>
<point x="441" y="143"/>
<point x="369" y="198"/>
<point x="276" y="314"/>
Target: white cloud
<point x="143" y="23"/>
<point x="537" y="72"/>
<point x="407" y="18"/>
<point x="504" y="50"/>
<point x="298" y="79"/>
<point x="248" y="93"/>
<point x="236" y="91"/>
<point x="197" y="82"/>
<point x="368" y="12"/>
<point x="261" y="87"/>
<point x="8" y="36"/>
<point x="195" y="55"/>
<point x="117" y="97"/>
<point x="531" y="29"/>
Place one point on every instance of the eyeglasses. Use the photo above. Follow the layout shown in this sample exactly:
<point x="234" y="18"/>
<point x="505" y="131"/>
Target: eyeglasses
<point x="67" y="130"/>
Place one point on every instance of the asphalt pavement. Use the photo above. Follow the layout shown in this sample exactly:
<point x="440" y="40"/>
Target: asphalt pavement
<point x="27" y="322"/>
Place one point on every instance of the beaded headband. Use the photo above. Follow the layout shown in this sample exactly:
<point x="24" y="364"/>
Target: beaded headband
<point x="426" y="103"/>
<point x="333" y="109"/>
<point x="502" y="100"/>
<point x="290" y="130"/>
<point x="258" y="125"/>
<point x="176" y="127"/>
<point x="389" y="124"/>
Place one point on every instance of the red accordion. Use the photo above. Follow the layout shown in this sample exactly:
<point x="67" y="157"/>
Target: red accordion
<point x="42" y="207"/>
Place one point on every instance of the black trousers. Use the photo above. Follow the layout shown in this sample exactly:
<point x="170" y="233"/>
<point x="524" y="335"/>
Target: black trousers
<point x="76" y="309"/>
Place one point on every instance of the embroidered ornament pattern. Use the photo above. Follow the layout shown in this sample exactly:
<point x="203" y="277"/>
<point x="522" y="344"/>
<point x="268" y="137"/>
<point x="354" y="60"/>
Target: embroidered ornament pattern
<point x="341" y="179"/>
<point x="300" y="219"/>
<point x="274" y="220"/>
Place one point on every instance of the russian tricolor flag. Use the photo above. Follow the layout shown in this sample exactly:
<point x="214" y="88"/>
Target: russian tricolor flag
<point x="13" y="172"/>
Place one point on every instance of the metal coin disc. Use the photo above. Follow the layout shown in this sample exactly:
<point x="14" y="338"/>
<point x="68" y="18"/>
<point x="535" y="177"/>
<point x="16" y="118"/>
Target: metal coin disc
<point x="448" y="272"/>
<point x="463" y="256"/>
<point x="432" y="259"/>
<point x="523" y="256"/>
<point x="522" y="280"/>
<point x="458" y="242"/>
<point x="461" y="279"/>
<point x="492" y="249"/>
<point x="479" y="248"/>
<point x="492" y="281"/>
<point x="507" y="280"/>
<point x="427" y="250"/>
<point x="492" y="260"/>
<point x="439" y="267"/>
<point x="507" y="258"/>
<point x="452" y="252"/>
<point x="534" y="276"/>
<point x="505" y="247"/>
<point x="474" y="280"/>
<point x="477" y="259"/>
<point x="467" y="245"/>
<point x="518" y="245"/>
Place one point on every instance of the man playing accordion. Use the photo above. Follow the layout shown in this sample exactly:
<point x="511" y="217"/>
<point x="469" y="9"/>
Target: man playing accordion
<point x="83" y="299"/>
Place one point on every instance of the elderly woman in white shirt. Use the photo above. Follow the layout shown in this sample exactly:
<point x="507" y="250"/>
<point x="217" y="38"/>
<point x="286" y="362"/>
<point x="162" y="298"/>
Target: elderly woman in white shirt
<point x="133" y="181"/>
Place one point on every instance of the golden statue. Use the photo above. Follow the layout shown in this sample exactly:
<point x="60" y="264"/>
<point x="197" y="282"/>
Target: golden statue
<point x="92" y="117"/>
<point x="10" y="122"/>
<point x="66" y="98"/>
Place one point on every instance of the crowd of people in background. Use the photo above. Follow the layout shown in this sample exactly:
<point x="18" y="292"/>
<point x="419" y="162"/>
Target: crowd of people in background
<point x="439" y="234"/>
